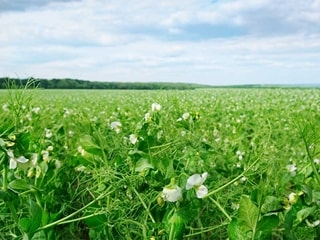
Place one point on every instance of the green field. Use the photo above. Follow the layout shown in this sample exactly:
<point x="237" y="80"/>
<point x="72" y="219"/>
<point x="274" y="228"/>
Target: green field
<point x="129" y="164"/>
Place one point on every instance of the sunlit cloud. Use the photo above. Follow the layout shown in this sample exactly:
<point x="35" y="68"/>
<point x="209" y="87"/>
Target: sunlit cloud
<point x="215" y="42"/>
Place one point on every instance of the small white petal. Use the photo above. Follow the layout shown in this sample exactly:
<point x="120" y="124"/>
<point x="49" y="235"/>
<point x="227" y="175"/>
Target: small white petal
<point x="133" y="139"/>
<point x="155" y="107"/>
<point x="12" y="164"/>
<point x="10" y="153"/>
<point x="171" y="194"/>
<point x="185" y="116"/>
<point x="22" y="159"/>
<point x="194" y="180"/>
<point x="292" y="197"/>
<point x="202" y="191"/>
<point x="115" y="125"/>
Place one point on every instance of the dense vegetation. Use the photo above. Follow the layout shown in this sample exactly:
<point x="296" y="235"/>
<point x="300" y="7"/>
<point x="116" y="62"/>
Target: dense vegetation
<point x="202" y="164"/>
<point x="81" y="84"/>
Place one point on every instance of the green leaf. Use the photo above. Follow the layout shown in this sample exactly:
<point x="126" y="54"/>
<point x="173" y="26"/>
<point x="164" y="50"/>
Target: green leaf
<point x="41" y="235"/>
<point x="143" y="164"/>
<point x="2" y="142"/>
<point x="36" y="216"/>
<point x="97" y="221"/>
<point x="19" y="184"/>
<point x="304" y="213"/>
<point x="176" y="226"/>
<point x="234" y="231"/>
<point x="25" y="224"/>
<point x="271" y="204"/>
<point x="248" y="214"/>
<point x="88" y="143"/>
<point x="267" y="223"/>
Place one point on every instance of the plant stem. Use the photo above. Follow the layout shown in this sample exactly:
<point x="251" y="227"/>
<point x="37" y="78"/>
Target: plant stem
<point x="62" y="220"/>
<point x="221" y="208"/>
<point x="232" y="181"/>
<point x="5" y="178"/>
<point x="144" y="205"/>
<point x="313" y="165"/>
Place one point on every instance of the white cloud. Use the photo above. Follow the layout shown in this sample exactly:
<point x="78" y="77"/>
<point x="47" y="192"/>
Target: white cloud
<point x="166" y="40"/>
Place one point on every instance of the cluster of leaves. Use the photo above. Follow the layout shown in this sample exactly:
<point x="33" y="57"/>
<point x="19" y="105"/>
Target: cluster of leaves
<point x="101" y="164"/>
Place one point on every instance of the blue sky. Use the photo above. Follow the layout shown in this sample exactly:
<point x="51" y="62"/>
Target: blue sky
<point x="217" y="42"/>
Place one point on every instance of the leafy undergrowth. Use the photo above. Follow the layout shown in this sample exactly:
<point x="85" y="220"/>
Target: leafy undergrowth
<point x="205" y="164"/>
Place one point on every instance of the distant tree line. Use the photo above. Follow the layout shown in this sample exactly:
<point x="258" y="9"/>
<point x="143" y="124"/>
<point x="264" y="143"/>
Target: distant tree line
<point x="68" y="83"/>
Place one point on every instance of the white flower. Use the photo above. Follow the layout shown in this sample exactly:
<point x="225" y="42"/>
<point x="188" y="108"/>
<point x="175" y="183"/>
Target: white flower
<point x="316" y="161"/>
<point x="243" y="179"/>
<point x="292" y="198"/>
<point x="240" y="155"/>
<point x="66" y="112"/>
<point x="147" y="117"/>
<point x="196" y="181"/>
<point x="35" y="110"/>
<point x="34" y="159"/>
<point x="81" y="150"/>
<point x="292" y="169"/>
<point x="171" y="193"/>
<point x="155" y="107"/>
<point x="13" y="162"/>
<point x="5" y="107"/>
<point x="71" y="133"/>
<point x="45" y="155"/>
<point x="48" y="133"/>
<point x="80" y="168"/>
<point x="185" y="116"/>
<point x="133" y="139"/>
<point x="314" y="224"/>
<point x="116" y="126"/>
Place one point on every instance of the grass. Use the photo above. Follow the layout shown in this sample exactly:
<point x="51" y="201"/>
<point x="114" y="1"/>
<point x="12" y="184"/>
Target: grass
<point x="98" y="164"/>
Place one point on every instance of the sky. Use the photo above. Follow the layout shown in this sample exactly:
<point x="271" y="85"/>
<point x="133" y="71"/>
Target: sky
<point x="216" y="42"/>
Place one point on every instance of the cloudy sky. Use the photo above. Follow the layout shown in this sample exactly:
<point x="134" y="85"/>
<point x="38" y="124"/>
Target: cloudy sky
<point x="214" y="42"/>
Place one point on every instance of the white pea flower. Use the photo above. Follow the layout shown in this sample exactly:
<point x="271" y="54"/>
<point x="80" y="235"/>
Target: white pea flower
<point x="35" y="110"/>
<point x="13" y="162"/>
<point x="80" y="168"/>
<point x="314" y="224"/>
<point x="45" y="155"/>
<point x="292" y="169"/>
<point x="48" y="133"/>
<point x="147" y="117"/>
<point x="5" y="107"/>
<point x="50" y="148"/>
<point x="243" y="179"/>
<point x="155" y="107"/>
<point x="196" y="181"/>
<point x="316" y="161"/>
<point x="171" y="193"/>
<point x="292" y="198"/>
<point x="133" y="139"/>
<point x="70" y="133"/>
<point x="116" y="126"/>
<point x="185" y="116"/>
<point x="81" y="150"/>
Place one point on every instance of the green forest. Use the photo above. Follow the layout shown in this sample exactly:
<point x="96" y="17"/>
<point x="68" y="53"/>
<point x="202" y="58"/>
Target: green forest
<point x="68" y="83"/>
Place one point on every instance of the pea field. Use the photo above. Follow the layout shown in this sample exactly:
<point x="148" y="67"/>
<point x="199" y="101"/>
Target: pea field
<point x="221" y="163"/>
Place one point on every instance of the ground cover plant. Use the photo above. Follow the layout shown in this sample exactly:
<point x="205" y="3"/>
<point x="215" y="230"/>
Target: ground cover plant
<point x="193" y="164"/>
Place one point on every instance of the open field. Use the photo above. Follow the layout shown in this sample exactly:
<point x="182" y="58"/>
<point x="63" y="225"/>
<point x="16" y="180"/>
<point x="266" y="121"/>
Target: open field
<point x="193" y="164"/>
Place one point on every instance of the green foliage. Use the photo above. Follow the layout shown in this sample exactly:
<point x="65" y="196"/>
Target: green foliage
<point x="116" y="164"/>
